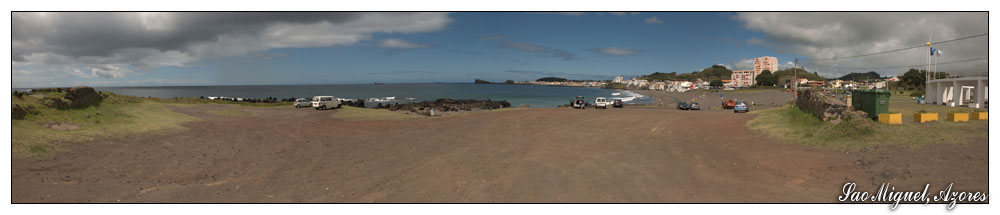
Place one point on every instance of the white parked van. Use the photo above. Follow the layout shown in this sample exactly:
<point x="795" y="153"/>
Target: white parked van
<point x="601" y="102"/>
<point x="325" y="102"/>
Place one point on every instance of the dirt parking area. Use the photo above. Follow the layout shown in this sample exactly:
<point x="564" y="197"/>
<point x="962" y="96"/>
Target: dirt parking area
<point x="648" y="154"/>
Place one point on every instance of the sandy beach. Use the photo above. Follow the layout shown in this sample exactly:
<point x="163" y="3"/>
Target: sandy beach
<point x="650" y="153"/>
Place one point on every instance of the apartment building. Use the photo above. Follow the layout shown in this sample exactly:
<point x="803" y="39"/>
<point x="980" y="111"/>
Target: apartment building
<point x="747" y="78"/>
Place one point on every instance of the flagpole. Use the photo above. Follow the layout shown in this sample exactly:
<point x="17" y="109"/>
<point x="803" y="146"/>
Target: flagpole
<point x="928" y="71"/>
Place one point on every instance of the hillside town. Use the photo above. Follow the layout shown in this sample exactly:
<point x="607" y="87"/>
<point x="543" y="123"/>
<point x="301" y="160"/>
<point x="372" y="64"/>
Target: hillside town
<point x="737" y="79"/>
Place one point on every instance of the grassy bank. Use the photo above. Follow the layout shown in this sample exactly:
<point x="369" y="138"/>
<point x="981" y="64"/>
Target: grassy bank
<point x="790" y="124"/>
<point x="115" y="116"/>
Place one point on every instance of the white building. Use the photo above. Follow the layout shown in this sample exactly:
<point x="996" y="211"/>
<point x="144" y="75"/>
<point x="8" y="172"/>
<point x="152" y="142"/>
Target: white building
<point x="637" y="83"/>
<point x="743" y="78"/>
<point x="618" y="79"/>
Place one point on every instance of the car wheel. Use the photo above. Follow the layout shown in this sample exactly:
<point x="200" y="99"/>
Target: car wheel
<point x="339" y="105"/>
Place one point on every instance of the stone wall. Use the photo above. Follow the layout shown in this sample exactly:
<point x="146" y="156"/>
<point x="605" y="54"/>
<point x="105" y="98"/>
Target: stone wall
<point x="824" y="107"/>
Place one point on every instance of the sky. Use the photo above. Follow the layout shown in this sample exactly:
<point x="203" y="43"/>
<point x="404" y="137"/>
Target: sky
<point x="242" y="48"/>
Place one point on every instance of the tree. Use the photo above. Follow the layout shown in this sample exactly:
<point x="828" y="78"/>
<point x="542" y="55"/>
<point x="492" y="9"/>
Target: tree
<point x="766" y="79"/>
<point x="715" y="84"/>
<point x="914" y="78"/>
<point x="872" y="75"/>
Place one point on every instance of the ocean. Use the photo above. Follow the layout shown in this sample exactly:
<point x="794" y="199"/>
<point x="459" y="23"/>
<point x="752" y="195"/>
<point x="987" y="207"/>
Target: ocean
<point x="517" y="95"/>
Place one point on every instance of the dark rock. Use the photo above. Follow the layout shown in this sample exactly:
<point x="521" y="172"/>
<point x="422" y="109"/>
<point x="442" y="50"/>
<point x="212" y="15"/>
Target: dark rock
<point x="82" y="96"/>
<point x="444" y="105"/>
<point x="56" y="103"/>
<point x="19" y="112"/>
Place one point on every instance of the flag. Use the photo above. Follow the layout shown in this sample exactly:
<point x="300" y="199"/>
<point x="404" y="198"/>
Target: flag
<point x="939" y="52"/>
<point x="933" y="50"/>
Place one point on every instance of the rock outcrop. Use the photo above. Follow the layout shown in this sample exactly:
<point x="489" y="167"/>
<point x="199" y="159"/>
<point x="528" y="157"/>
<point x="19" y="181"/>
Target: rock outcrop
<point x="82" y="96"/>
<point x="354" y="102"/>
<point x="442" y="105"/>
<point x="19" y="112"/>
<point x="76" y="97"/>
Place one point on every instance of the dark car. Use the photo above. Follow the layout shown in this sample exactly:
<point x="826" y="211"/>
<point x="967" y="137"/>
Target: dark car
<point x="694" y="106"/>
<point x="578" y="103"/>
<point x="617" y="103"/>
<point x="682" y="106"/>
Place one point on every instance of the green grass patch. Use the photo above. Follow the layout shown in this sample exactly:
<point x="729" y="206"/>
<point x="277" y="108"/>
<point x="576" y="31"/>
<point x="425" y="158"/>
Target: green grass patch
<point x="791" y="124"/>
<point x="38" y="148"/>
<point x="231" y="112"/>
<point x="114" y="117"/>
<point x="365" y="114"/>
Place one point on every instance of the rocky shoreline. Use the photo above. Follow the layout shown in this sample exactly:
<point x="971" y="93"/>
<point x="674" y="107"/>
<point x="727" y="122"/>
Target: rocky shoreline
<point x="431" y="108"/>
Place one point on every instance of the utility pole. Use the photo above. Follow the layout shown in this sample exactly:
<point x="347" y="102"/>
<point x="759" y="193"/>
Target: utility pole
<point x="795" y="73"/>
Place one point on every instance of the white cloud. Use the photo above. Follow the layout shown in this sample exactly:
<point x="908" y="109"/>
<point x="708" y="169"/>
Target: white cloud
<point x="542" y="50"/>
<point x="111" y="45"/>
<point x="617" y="51"/>
<point x="110" y="71"/>
<point x="742" y="64"/>
<point x="401" y="44"/>
<point x="653" y="20"/>
<point x="825" y="35"/>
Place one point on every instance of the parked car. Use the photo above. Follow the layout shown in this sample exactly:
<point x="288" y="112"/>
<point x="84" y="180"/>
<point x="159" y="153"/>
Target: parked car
<point x="741" y="106"/>
<point x="601" y="102"/>
<point x="325" y="102"/>
<point x="728" y="104"/>
<point x="693" y="106"/>
<point x="682" y="105"/>
<point x="303" y="102"/>
<point x="618" y="103"/>
<point x="578" y="103"/>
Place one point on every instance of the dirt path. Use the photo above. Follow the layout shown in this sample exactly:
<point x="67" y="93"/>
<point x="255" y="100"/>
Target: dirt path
<point x="539" y="155"/>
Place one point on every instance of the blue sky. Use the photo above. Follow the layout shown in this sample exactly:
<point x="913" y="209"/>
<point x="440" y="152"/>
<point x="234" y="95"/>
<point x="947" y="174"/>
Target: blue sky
<point x="393" y="48"/>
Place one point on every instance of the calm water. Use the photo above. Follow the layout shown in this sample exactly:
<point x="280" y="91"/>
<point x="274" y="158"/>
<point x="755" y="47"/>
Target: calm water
<point x="536" y="96"/>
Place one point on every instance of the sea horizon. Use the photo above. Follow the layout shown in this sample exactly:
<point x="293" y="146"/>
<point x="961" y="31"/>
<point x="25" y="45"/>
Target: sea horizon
<point x="516" y="94"/>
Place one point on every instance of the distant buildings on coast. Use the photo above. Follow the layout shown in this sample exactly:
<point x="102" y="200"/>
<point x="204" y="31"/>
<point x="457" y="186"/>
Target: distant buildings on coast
<point x="737" y="79"/>
<point x="747" y="78"/>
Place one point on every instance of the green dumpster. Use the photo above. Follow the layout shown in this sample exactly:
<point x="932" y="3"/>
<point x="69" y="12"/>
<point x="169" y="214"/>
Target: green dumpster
<point x="873" y="102"/>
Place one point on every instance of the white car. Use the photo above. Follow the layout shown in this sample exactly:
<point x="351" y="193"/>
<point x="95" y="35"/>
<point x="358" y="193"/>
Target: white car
<point x="302" y="102"/>
<point x="325" y="102"/>
<point x="601" y="102"/>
